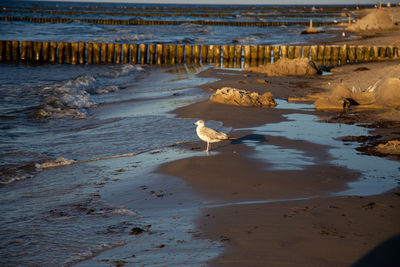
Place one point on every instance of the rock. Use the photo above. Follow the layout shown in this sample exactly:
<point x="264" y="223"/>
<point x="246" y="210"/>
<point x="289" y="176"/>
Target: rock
<point x="336" y="99"/>
<point x="238" y="97"/>
<point x="285" y="66"/>
<point x="391" y="147"/>
<point x="136" y="231"/>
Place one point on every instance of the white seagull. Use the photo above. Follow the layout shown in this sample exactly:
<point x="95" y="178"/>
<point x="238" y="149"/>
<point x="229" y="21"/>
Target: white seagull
<point x="210" y="135"/>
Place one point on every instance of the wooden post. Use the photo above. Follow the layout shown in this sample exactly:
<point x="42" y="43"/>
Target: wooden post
<point x="96" y="53"/>
<point x="204" y="50"/>
<point x="103" y="53"/>
<point x="188" y="53"/>
<point x="53" y="52"/>
<point x="327" y="55"/>
<point x="110" y="53"/>
<point x="196" y="54"/>
<point x="335" y="55"/>
<point x="352" y="54"/>
<point x="389" y="51"/>
<point x="15" y="50"/>
<point x="367" y="53"/>
<point x="321" y="51"/>
<point x="152" y="54"/>
<point x="143" y="53"/>
<point x="306" y="52"/>
<point x="9" y="50"/>
<point x="231" y="55"/>
<point x="74" y="53"/>
<point x="211" y="54"/>
<point x="297" y="52"/>
<point x="314" y="52"/>
<point x="134" y="53"/>
<point x="159" y="52"/>
<point x="45" y="51"/>
<point x="61" y="52"/>
<point x="89" y="53"/>
<point x="2" y="50"/>
<point x="246" y="51"/>
<point x="396" y="52"/>
<point x="284" y="51"/>
<point x="172" y="54"/>
<point x="125" y="53"/>
<point x="276" y="56"/>
<point x="81" y="53"/>
<point x="343" y="54"/>
<point x="359" y="54"/>
<point x="253" y="55"/>
<point x="291" y="52"/>
<point x="37" y="51"/>
<point x="217" y="55"/>
<point x="260" y="54"/>
<point x="23" y="55"/>
<point x="180" y="49"/>
<point x="118" y="53"/>
<point x="225" y="53"/>
<point x="267" y="54"/>
<point x="165" y="53"/>
<point x="238" y="56"/>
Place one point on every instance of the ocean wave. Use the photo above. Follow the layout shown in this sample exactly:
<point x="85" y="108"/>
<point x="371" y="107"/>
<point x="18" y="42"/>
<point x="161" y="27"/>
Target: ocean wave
<point x="195" y="29"/>
<point x="17" y="177"/>
<point x="107" y="90"/>
<point x="126" y="38"/>
<point x="246" y="39"/>
<point x="52" y="163"/>
<point x="68" y="98"/>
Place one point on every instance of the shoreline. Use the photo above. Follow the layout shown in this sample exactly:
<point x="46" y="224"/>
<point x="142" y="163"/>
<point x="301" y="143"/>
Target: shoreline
<point x="320" y="230"/>
<point x="235" y="225"/>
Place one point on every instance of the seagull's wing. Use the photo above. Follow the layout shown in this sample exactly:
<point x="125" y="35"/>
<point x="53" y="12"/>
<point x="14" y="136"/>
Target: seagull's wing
<point x="213" y="134"/>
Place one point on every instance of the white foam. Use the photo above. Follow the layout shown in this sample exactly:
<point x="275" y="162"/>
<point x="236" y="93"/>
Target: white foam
<point x="54" y="163"/>
<point x="124" y="212"/>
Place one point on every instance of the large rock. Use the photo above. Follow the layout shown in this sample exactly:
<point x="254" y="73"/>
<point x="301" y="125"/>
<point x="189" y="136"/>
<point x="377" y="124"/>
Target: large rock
<point x="285" y="66"/>
<point x="238" y="97"/>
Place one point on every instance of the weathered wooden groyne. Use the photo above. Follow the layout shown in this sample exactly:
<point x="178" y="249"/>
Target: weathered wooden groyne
<point x="165" y="22"/>
<point x="229" y="55"/>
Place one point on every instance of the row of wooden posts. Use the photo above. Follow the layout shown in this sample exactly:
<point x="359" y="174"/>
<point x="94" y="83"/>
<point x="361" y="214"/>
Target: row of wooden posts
<point x="166" y="22"/>
<point x="167" y="13"/>
<point x="233" y="55"/>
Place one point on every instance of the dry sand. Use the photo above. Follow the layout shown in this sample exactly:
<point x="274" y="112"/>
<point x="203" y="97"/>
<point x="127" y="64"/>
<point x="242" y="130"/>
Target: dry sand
<point x="318" y="231"/>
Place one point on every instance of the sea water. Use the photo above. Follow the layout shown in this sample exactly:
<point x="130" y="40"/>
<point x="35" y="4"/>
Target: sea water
<point x="73" y="136"/>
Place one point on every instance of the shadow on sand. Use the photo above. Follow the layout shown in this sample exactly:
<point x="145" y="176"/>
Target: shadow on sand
<point x="385" y="255"/>
<point x="254" y="138"/>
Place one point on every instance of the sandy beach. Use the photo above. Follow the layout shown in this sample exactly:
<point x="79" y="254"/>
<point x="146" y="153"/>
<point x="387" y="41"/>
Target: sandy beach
<point x="293" y="217"/>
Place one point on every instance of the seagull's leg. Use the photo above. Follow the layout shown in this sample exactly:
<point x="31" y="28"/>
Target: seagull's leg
<point x="208" y="144"/>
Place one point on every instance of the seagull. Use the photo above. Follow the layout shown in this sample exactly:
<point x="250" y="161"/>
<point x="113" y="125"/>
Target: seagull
<point x="210" y="135"/>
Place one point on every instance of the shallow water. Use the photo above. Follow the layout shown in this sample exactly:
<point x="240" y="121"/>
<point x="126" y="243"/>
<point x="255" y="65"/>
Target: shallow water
<point x="185" y="33"/>
<point x="60" y="216"/>
<point x="378" y="174"/>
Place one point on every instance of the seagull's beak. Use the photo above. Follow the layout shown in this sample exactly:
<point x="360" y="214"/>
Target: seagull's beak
<point x="194" y="123"/>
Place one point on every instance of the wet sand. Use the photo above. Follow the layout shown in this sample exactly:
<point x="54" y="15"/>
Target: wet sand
<point x="320" y="230"/>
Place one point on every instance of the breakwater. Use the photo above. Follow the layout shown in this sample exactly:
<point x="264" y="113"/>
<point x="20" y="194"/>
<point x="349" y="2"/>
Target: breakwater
<point x="165" y="22"/>
<point x="228" y="55"/>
